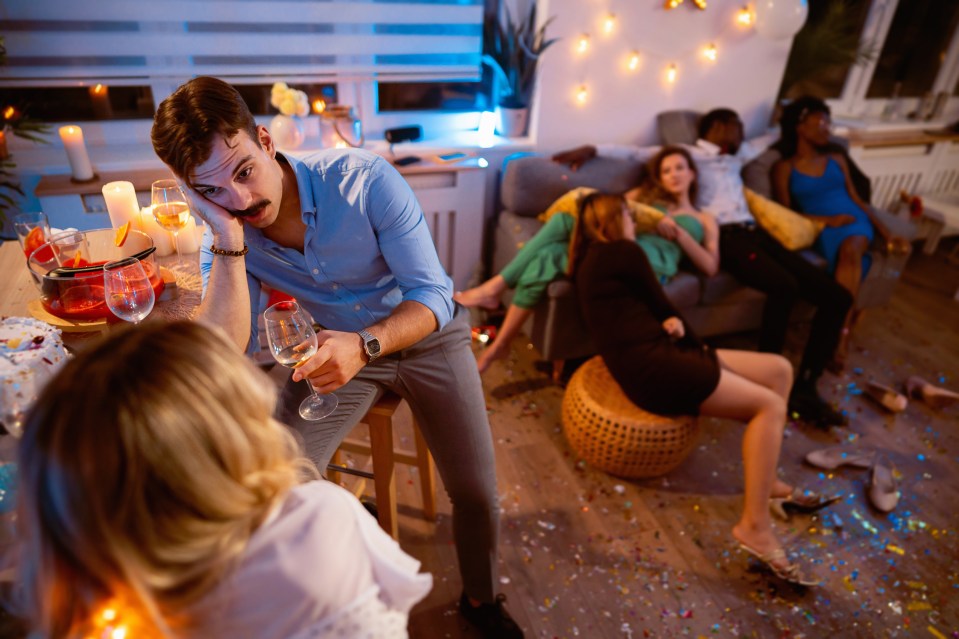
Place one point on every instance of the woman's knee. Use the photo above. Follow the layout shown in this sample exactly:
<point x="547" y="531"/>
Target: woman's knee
<point x="782" y="372"/>
<point x="854" y="247"/>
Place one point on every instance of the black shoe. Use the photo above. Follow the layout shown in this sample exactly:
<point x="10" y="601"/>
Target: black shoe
<point x="492" y="619"/>
<point x="812" y="408"/>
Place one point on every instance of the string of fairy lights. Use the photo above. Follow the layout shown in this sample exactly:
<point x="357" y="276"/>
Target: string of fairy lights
<point x="632" y="59"/>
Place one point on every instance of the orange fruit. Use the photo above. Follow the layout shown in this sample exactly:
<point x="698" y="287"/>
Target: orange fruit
<point x="77" y="260"/>
<point x="33" y="240"/>
<point x="122" y="233"/>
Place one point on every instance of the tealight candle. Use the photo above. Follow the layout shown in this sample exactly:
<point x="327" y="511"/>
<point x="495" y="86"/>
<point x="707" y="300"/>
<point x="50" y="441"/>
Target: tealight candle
<point x="160" y="236"/>
<point x="122" y="205"/>
<point x="188" y="238"/>
<point x="80" y="165"/>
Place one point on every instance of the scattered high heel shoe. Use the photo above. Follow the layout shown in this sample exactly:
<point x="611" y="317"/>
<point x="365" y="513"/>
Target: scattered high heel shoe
<point x="883" y="487"/>
<point x="937" y="398"/>
<point x="887" y="397"/>
<point x="833" y="458"/>
<point x="791" y="572"/>
<point x="801" y="501"/>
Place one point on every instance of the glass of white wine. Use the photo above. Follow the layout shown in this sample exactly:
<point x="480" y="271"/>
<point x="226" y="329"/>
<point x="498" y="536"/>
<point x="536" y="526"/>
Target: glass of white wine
<point x="289" y="330"/>
<point x="170" y="210"/>
<point x="127" y="289"/>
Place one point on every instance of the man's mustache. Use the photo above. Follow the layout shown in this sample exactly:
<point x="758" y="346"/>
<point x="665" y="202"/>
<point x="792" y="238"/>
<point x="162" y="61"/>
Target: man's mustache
<point x="247" y="212"/>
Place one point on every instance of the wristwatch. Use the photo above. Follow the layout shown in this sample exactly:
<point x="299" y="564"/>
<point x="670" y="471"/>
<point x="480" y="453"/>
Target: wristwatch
<point x="371" y="345"/>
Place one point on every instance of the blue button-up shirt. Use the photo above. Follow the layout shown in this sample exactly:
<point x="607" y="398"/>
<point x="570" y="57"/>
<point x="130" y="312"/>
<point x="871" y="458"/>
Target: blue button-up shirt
<point x="367" y="246"/>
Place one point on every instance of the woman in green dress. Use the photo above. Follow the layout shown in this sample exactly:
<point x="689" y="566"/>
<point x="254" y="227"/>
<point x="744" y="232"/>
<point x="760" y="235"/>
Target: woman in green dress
<point x="684" y="231"/>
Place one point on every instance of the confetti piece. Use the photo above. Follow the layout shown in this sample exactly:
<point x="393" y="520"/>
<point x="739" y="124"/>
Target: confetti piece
<point x="919" y="605"/>
<point x="895" y="549"/>
<point x="935" y="633"/>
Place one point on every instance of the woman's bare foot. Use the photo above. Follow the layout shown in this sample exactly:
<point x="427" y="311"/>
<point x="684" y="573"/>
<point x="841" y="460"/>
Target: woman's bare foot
<point x="486" y="295"/>
<point x="493" y="352"/>
<point x="937" y="398"/>
<point x="762" y="544"/>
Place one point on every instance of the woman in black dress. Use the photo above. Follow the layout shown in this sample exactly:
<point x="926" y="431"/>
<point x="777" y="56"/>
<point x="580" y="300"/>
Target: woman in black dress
<point x="664" y="368"/>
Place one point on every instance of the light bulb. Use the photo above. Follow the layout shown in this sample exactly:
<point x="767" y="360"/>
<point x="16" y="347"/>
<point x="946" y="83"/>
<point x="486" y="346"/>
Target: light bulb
<point x="609" y="23"/>
<point x="582" y="45"/>
<point x="319" y="105"/>
<point x="671" y="72"/>
<point x="710" y="52"/>
<point x="633" y="63"/>
<point x="582" y="94"/>
<point x="671" y="4"/>
<point x="99" y="89"/>
<point x="744" y="17"/>
<point x="700" y="4"/>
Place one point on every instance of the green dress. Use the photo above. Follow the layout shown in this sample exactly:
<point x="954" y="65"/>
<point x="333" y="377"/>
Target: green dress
<point x="546" y="255"/>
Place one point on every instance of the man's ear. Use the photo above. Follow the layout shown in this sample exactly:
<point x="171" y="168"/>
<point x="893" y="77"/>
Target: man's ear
<point x="266" y="140"/>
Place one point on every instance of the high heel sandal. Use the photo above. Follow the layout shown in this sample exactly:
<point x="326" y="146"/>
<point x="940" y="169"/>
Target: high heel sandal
<point x="802" y="501"/>
<point x="791" y="572"/>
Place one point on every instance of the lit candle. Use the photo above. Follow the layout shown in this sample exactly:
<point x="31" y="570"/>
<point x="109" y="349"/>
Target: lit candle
<point x="188" y="238"/>
<point x="100" y="97"/>
<point x="80" y="166"/>
<point x="162" y="238"/>
<point x="122" y="205"/>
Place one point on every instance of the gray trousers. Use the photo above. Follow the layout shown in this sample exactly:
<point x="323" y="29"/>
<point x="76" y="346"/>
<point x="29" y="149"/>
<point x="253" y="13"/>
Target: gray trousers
<point x="439" y="379"/>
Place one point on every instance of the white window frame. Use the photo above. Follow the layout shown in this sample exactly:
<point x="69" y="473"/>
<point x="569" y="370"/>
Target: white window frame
<point x="853" y="102"/>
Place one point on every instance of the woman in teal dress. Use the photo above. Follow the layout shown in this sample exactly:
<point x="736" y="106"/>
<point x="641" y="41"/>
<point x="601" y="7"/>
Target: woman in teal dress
<point x="684" y="231"/>
<point x="817" y="183"/>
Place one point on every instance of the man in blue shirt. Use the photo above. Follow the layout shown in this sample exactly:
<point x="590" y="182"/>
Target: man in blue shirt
<point x="342" y="232"/>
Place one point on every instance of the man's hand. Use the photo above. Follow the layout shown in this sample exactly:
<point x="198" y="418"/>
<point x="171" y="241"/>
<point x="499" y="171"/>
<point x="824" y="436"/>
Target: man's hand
<point x="338" y="359"/>
<point x="840" y="220"/>
<point x="575" y="158"/>
<point x="674" y="327"/>
<point x="226" y="227"/>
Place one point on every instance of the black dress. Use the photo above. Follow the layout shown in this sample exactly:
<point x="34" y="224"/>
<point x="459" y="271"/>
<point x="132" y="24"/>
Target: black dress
<point x="624" y="307"/>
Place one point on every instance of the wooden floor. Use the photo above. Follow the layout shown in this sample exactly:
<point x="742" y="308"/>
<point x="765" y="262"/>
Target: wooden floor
<point x="584" y="554"/>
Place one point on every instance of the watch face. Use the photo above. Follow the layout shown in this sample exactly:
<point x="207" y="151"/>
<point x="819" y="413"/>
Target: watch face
<point x="373" y="347"/>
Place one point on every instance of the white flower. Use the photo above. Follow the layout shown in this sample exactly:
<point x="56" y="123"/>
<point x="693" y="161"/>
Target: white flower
<point x="289" y="101"/>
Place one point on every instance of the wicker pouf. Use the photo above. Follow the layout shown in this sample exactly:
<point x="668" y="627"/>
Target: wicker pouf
<point x="615" y="435"/>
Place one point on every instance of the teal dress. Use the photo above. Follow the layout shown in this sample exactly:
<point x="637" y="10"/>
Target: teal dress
<point x="546" y="255"/>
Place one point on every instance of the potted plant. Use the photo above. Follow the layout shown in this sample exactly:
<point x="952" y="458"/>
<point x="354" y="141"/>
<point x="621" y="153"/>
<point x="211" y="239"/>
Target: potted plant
<point x="513" y="50"/>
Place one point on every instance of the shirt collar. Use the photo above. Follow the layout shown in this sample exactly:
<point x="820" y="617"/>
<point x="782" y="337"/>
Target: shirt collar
<point x="708" y="147"/>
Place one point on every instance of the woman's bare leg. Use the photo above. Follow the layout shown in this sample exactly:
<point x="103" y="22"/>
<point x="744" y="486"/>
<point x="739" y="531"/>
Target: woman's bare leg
<point x="486" y="295"/>
<point x="766" y="369"/>
<point x="499" y="349"/>
<point x="849" y="276"/>
<point x="764" y="410"/>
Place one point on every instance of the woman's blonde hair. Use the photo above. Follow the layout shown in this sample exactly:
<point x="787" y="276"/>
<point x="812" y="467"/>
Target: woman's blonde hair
<point x="600" y="219"/>
<point x="145" y="467"/>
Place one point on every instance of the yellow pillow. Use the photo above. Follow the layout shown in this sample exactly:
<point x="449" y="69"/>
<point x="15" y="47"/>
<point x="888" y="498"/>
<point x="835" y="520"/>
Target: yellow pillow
<point x="567" y="203"/>
<point x="791" y="229"/>
<point x="646" y="216"/>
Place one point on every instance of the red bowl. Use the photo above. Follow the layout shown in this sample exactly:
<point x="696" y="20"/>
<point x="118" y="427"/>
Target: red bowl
<point x="78" y="295"/>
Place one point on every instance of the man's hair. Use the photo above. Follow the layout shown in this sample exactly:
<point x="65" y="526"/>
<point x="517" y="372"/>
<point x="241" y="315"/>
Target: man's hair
<point x="187" y="122"/>
<point x="723" y="115"/>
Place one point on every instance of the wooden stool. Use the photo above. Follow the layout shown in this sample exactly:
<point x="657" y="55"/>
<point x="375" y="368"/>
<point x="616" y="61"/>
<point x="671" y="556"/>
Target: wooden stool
<point x="615" y="435"/>
<point x="383" y="459"/>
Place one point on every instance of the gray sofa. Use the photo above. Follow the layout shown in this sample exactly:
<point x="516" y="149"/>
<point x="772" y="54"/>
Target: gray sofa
<point x="712" y="305"/>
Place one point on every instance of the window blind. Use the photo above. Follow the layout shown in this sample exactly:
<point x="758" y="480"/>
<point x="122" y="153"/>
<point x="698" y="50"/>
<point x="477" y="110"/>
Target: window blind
<point x="66" y="42"/>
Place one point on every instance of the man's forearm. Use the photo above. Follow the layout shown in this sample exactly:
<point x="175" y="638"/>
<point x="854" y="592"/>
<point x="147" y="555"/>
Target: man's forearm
<point x="227" y="300"/>
<point x="408" y="323"/>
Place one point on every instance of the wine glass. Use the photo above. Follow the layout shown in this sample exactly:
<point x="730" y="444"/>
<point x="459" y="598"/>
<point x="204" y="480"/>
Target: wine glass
<point x="32" y="230"/>
<point x="170" y="210"/>
<point x="289" y="330"/>
<point x="127" y="289"/>
<point x="16" y="398"/>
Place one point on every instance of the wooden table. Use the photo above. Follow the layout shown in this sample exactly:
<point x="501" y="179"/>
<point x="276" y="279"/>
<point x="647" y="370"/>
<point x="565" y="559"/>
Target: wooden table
<point x="17" y="290"/>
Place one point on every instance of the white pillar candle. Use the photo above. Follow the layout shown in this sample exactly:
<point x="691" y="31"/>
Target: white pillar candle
<point x="160" y="236"/>
<point x="122" y="205"/>
<point x="80" y="165"/>
<point x="188" y="238"/>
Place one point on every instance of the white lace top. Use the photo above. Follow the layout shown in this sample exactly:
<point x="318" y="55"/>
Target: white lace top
<point x="320" y="567"/>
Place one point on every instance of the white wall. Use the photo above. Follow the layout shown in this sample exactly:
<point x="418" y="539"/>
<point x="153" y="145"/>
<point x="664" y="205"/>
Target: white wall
<point x="622" y="106"/>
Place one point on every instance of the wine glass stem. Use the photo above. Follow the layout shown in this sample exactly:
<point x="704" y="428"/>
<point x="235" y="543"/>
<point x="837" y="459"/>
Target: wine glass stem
<point x="176" y="246"/>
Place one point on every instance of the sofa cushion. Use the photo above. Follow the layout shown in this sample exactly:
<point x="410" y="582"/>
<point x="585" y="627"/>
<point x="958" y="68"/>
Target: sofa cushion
<point x="683" y="290"/>
<point x="790" y="229"/>
<point x="723" y="288"/>
<point x="757" y="173"/>
<point x="530" y="184"/>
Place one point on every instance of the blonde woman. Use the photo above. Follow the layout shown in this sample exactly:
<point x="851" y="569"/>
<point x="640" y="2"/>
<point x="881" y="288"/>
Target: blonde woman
<point x="157" y="494"/>
<point x="665" y="369"/>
